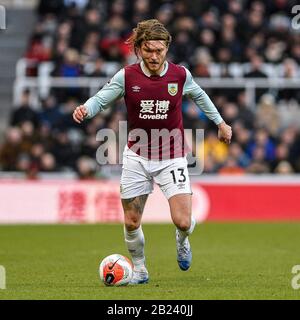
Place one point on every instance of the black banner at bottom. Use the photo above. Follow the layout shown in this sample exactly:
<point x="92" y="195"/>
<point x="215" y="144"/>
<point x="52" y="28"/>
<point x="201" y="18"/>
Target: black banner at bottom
<point x="143" y="309"/>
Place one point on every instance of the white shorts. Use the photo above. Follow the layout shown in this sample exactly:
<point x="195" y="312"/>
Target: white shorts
<point x="138" y="174"/>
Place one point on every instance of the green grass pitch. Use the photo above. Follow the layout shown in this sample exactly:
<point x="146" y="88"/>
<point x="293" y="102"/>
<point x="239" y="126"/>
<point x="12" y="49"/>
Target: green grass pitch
<point x="230" y="261"/>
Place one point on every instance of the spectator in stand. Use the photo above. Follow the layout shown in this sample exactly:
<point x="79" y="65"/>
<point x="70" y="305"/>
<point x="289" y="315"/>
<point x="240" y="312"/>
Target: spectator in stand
<point x="66" y="110"/>
<point x="236" y="152"/>
<point x="48" y="163"/>
<point x="258" y="165"/>
<point x="274" y="51"/>
<point x="50" y="114"/>
<point x="201" y="61"/>
<point x="11" y="149"/>
<point x="254" y="20"/>
<point x="193" y="117"/>
<point x="53" y="6"/>
<point x="39" y="50"/>
<point x="112" y="52"/>
<point x="207" y="40"/>
<point x="257" y="72"/>
<point x="290" y="71"/>
<point x="281" y="154"/>
<point x="90" y="144"/>
<point x="91" y="22"/>
<point x="182" y="49"/>
<point x="165" y="15"/>
<point x="86" y="168"/>
<point x="63" y="151"/>
<point x="80" y="4"/>
<point x="210" y="165"/>
<point x="112" y="44"/>
<point x="62" y="40"/>
<point x="230" y="112"/>
<point x="140" y="11"/>
<point x="228" y="36"/>
<point x="245" y="114"/>
<point x="242" y="135"/>
<point x="29" y="136"/>
<point x="23" y="163"/>
<point x="284" y="167"/>
<point x="69" y="68"/>
<point x="119" y="8"/>
<point x="213" y="148"/>
<point x="231" y="166"/>
<point x="262" y="143"/>
<point x="256" y="45"/>
<point x="90" y="50"/>
<point x="36" y="152"/>
<point x="267" y="115"/>
<point x="24" y="112"/>
<point x="256" y="68"/>
<point x="224" y="57"/>
<point x="59" y="51"/>
<point x="45" y="136"/>
<point x="209" y="19"/>
<point x="99" y="69"/>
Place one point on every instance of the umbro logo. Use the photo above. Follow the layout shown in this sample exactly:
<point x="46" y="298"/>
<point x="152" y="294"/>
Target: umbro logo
<point x="181" y="185"/>
<point x="136" y="89"/>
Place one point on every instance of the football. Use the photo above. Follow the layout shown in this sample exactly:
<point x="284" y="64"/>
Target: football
<point x="116" y="270"/>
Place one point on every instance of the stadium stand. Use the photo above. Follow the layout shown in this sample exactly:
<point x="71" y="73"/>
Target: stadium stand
<point x="13" y="40"/>
<point x="219" y="41"/>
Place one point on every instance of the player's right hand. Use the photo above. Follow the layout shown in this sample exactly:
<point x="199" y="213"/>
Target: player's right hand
<point x="80" y="113"/>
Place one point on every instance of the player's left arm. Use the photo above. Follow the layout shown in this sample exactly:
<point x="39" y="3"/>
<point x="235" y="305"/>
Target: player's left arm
<point x="202" y="100"/>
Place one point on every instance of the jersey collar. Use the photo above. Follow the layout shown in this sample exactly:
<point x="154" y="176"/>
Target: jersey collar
<point x="166" y="66"/>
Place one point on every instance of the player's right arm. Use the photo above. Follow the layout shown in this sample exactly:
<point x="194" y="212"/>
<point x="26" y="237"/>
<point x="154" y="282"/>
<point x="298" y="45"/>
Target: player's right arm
<point x="112" y="91"/>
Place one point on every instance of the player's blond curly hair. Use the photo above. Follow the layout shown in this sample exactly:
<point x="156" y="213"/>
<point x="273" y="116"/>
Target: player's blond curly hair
<point x="148" y="30"/>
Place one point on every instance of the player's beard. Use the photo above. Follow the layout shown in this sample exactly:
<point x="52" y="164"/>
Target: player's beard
<point x="154" y="68"/>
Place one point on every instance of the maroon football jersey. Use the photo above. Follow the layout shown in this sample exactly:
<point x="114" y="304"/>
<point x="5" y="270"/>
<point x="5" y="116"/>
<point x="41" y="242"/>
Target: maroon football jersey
<point x="154" y="107"/>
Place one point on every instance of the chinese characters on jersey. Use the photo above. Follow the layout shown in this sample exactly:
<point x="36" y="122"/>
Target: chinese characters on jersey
<point x="151" y="109"/>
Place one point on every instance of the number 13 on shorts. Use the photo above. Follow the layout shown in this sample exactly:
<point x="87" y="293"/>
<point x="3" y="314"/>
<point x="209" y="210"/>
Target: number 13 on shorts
<point x="175" y="179"/>
<point x="181" y="177"/>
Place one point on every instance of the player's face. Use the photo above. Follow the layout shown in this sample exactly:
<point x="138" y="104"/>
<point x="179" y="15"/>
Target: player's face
<point x="153" y="53"/>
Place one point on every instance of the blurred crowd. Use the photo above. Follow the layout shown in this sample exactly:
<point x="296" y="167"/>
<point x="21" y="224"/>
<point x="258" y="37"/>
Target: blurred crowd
<point x="87" y="38"/>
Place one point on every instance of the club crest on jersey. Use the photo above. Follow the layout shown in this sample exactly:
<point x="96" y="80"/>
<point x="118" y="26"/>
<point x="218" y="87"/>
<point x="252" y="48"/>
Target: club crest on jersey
<point x="172" y="88"/>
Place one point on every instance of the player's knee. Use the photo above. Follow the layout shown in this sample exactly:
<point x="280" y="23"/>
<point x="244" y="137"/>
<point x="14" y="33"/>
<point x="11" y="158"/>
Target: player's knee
<point x="131" y="226"/>
<point x="183" y="224"/>
<point x="132" y="223"/>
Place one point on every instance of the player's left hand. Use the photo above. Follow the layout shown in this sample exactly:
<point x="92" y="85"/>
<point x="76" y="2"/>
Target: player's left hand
<point x="225" y="132"/>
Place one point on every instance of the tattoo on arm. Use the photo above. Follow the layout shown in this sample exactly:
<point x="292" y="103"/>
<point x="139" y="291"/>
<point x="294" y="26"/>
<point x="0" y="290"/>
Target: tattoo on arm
<point x="136" y="203"/>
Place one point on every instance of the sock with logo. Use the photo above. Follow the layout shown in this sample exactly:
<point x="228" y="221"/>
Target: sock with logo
<point x="135" y="243"/>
